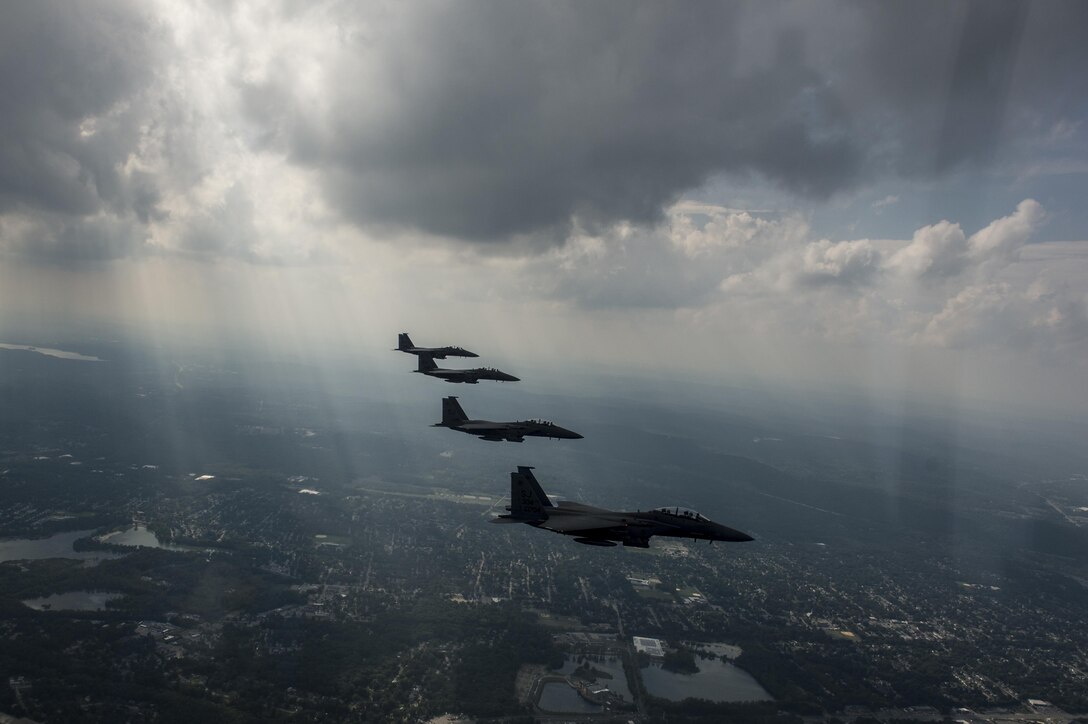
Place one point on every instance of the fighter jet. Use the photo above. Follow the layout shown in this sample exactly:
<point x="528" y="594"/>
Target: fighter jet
<point x="404" y="344"/>
<point x="427" y="367"/>
<point x="455" y="418"/>
<point x="600" y="527"/>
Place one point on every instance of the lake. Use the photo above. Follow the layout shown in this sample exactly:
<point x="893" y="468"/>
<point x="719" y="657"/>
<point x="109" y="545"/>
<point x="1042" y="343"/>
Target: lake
<point x="716" y="681"/>
<point x="73" y="601"/>
<point x="55" y="546"/>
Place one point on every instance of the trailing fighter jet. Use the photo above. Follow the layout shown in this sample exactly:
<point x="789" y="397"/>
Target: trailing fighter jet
<point x="455" y="418"/>
<point x="404" y="344"/>
<point x="599" y="527"/>
<point x="427" y="367"/>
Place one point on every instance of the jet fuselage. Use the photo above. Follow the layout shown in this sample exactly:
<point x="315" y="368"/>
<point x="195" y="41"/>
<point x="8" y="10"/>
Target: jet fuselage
<point x="404" y="344"/>
<point x="454" y="417"/>
<point x="633" y="528"/>
<point x="515" y="431"/>
<point x="426" y="366"/>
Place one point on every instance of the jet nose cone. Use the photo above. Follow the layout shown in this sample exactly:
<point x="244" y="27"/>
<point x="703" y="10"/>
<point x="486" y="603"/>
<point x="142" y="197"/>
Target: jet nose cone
<point x="511" y="378"/>
<point x="575" y="436"/>
<point x="734" y="536"/>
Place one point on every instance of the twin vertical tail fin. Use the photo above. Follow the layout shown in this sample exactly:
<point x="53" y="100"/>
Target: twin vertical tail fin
<point x="404" y="341"/>
<point x="527" y="498"/>
<point x="425" y="363"/>
<point x="452" y="414"/>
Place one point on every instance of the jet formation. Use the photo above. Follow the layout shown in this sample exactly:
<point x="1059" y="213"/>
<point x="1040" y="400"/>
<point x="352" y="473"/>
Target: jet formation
<point x="528" y="502"/>
<point x="601" y="527"/>
<point x="455" y="418"/>
<point x="426" y="366"/>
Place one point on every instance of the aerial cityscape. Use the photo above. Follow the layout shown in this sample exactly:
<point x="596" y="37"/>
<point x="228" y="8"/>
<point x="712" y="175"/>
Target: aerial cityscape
<point x="277" y="557"/>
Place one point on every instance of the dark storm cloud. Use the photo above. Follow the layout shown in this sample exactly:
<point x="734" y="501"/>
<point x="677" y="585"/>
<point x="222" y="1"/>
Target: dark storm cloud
<point x="493" y="120"/>
<point x="945" y="85"/>
<point x="68" y="73"/>
<point x="496" y="119"/>
<point x="981" y="76"/>
<point x="488" y="120"/>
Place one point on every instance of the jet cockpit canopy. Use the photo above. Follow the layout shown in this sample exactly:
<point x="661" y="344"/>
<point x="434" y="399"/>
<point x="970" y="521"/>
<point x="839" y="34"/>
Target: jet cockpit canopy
<point x="682" y="513"/>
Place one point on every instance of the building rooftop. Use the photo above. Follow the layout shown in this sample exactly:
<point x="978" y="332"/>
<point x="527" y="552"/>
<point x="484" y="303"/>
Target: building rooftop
<point x="652" y="647"/>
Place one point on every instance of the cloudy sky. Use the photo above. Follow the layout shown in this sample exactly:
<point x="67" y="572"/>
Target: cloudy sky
<point x="888" y="194"/>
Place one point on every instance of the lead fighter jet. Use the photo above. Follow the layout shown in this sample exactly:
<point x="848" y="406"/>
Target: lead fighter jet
<point x="600" y="527"/>
<point x="455" y="418"/>
<point x="404" y="344"/>
<point x="427" y="367"/>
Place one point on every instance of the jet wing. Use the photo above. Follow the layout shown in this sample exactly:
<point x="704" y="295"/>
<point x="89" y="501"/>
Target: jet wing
<point x="587" y="521"/>
<point x="567" y="505"/>
<point x="581" y="524"/>
<point x="492" y="430"/>
<point x="482" y="427"/>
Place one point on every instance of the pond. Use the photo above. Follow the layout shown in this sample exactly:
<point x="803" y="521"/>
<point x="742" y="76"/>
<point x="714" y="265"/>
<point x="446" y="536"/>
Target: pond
<point x="73" y="601"/>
